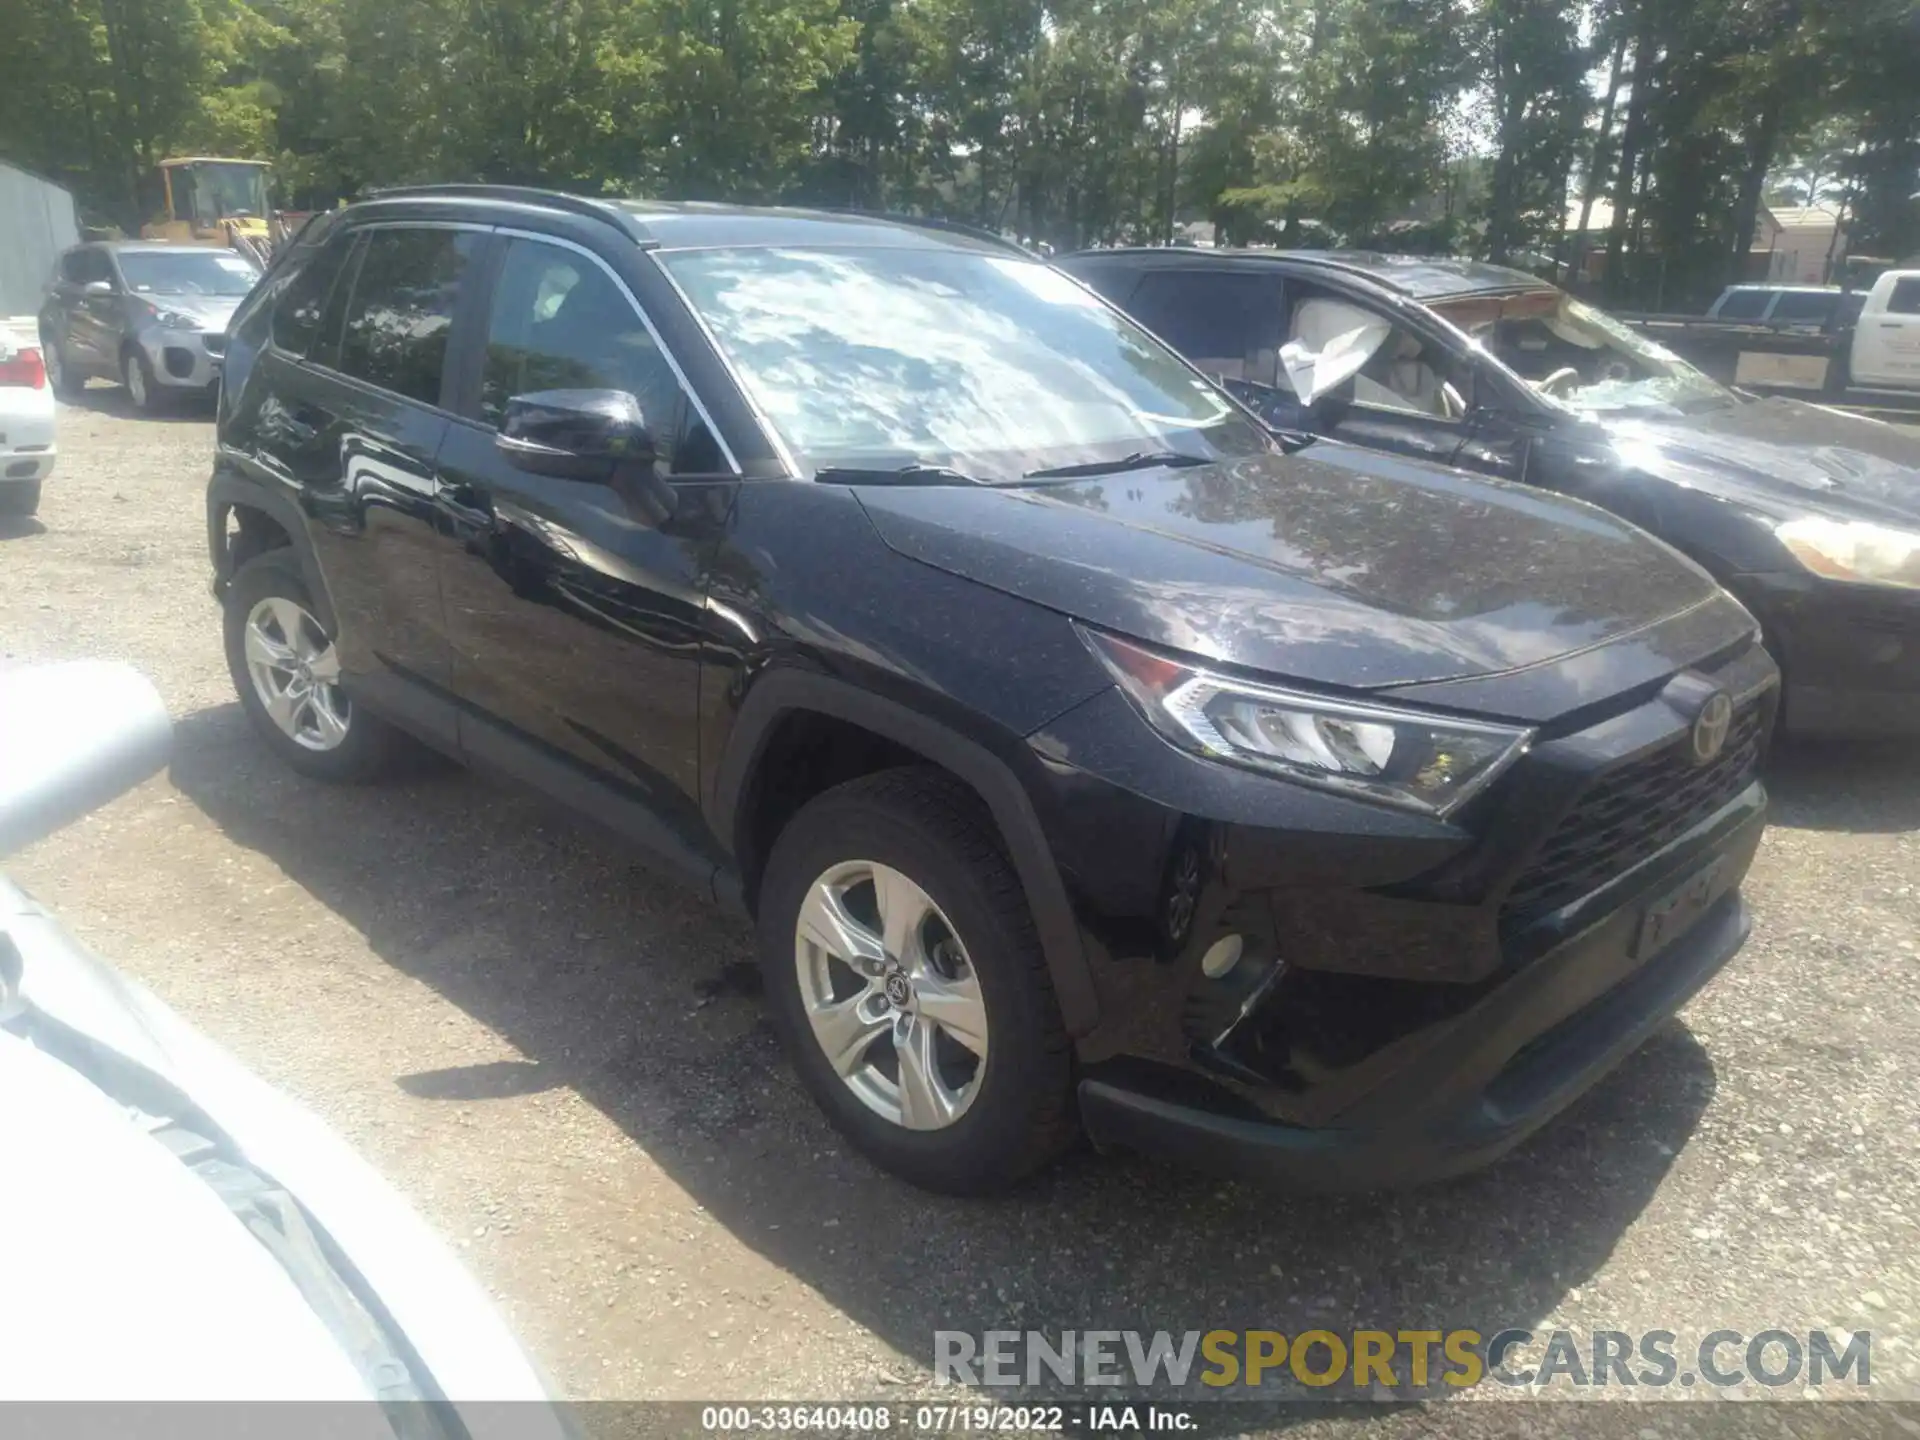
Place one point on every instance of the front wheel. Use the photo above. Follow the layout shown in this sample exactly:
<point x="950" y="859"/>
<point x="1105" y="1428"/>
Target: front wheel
<point x="65" y="384"/>
<point x="287" y="674"/>
<point x="908" y="983"/>
<point x="142" y="388"/>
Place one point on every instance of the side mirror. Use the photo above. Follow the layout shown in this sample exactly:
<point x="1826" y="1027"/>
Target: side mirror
<point x="599" y="437"/>
<point x="1278" y="409"/>
<point x="98" y="287"/>
<point x="72" y="737"/>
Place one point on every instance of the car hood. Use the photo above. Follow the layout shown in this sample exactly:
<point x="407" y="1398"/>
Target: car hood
<point x="1781" y="456"/>
<point x="128" y="1275"/>
<point x="211" y="311"/>
<point x="1332" y="565"/>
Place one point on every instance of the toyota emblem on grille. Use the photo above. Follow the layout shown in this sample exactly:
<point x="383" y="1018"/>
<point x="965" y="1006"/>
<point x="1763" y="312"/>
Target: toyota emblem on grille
<point x="1710" y="727"/>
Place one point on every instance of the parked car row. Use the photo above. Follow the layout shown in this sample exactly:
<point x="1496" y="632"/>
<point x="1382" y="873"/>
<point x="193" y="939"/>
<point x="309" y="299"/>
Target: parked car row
<point x="1168" y="738"/>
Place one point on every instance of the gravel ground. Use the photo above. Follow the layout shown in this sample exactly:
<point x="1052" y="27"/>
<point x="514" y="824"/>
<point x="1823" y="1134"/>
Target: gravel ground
<point x="560" y="1060"/>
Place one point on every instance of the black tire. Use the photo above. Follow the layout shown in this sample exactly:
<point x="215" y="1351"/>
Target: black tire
<point x="371" y="747"/>
<point x="19" y="498"/>
<point x="133" y="364"/>
<point x="937" y="832"/>
<point x="60" y="374"/>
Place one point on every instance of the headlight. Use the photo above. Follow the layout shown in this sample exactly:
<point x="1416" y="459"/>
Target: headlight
<point x="1856" y="550"/>
<point x="1418" y="761"/>
<point x="174" y="320"/>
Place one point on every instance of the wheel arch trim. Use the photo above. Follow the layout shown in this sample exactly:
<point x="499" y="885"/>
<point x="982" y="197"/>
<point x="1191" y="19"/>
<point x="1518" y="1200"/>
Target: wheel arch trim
<point x="784" y="692"/>
<point x="228" y="491"/>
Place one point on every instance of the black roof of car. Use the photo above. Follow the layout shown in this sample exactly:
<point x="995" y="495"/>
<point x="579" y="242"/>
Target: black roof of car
<point x="690" y="225"/>
<point x="1422" y="277"/>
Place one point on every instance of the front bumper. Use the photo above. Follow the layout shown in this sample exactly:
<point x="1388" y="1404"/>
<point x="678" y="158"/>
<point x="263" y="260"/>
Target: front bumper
<point x="1410" y="996"/>
<point x="183" y="359"/>
<point x="1509" y="1066"/>
<point x="1849" y="655"/>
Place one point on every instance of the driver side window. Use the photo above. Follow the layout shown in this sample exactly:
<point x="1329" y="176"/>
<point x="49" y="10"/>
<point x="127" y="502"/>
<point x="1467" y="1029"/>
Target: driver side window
<point x="1348" y="351"/>
<point x="559" y="322"/>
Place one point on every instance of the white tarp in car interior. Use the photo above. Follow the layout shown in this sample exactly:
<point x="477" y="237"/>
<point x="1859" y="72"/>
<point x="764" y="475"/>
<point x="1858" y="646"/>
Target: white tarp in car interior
<point x="1331" y="341"/>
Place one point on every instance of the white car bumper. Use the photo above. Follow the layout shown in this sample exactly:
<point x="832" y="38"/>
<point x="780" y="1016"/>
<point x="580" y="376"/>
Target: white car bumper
<point x="26" y="434"/>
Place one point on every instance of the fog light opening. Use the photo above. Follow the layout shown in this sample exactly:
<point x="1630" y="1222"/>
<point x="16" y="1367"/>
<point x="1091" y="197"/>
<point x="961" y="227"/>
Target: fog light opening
<point x="1222" y="956"/>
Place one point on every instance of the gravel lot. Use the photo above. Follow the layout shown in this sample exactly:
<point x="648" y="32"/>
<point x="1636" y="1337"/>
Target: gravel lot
<point x="561" y="1061"/>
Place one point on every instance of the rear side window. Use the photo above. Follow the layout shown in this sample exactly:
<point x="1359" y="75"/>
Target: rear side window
<point x="401" y="311"/>
<point x="1742" y="305"/>
<point x="303" y="299"/>
<point x="1227" y="324"/>
<point x="1905" y="299"/>
<point x="1797" y="308"/>
<point x="83" y="266"/>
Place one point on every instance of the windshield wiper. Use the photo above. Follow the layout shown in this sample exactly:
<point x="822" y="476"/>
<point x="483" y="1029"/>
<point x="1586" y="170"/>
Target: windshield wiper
<point x="1139" y="460"/>
<point x="912" y="473"/>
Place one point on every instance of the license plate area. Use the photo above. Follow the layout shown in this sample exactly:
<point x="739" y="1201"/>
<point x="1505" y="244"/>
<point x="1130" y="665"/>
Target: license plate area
<point x="1674" y="912"/>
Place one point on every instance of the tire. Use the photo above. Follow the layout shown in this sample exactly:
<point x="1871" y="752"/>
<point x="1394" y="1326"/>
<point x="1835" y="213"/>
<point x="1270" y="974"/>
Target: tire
<point x="1017" y="1106"/>
<point x="65" y="383"/>
<point x="21" y="498"/>
<point x="365" y="747"/>
<point x="142" y="389"/>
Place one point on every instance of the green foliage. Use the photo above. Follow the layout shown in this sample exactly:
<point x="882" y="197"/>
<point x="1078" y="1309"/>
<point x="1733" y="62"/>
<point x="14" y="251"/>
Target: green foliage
<point x="1434" y="124"/>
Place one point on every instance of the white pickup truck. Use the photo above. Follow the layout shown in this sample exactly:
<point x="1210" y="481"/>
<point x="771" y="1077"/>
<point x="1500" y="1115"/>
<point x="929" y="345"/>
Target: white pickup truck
<point x="1886" y="337"/>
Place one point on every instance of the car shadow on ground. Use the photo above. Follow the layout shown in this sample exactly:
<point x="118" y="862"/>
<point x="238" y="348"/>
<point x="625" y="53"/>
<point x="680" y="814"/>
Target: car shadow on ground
<point x="107" y="398"/>
<point x="640" y="995"/>
<point x="20" y="527"/>
<point x="1867" y="788"/>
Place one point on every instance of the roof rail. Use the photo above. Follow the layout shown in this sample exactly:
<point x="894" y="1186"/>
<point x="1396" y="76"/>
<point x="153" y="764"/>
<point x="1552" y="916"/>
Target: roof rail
<point x="933" y="222"/>
<point x="519" y="194"/>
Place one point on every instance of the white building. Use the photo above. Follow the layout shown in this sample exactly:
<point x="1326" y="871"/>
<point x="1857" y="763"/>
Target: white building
<point x="1796" y="245"/>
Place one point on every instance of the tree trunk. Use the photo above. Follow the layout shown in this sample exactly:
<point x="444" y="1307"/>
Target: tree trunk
<point x="1746" y="208"/>
<point x="1590" y="191"/>
<point x="1631" y="137"/>
<point x="1510" y="104"/>
<point x="1173" y="163"/>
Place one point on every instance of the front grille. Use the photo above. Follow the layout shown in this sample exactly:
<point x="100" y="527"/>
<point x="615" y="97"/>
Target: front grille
<point x="1630" y="813"/>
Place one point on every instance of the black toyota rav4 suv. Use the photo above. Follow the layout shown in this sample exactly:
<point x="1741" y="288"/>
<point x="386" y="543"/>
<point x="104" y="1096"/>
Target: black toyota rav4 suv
<point x="1086" y="761"/>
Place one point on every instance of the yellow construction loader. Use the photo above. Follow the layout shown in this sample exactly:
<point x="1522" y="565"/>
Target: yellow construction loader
<point x="203" y="199"/>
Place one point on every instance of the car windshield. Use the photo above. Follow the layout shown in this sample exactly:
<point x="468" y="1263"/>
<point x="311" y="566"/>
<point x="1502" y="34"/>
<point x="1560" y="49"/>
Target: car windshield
<point x="1580" y="357"/>
<point x="187" y="272"/>
<point x="989" y="365"/>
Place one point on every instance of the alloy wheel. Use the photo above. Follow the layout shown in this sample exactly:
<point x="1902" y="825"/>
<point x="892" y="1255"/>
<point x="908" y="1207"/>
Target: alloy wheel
<point x="890" y="995"/>
<point x="296" y="674"/>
